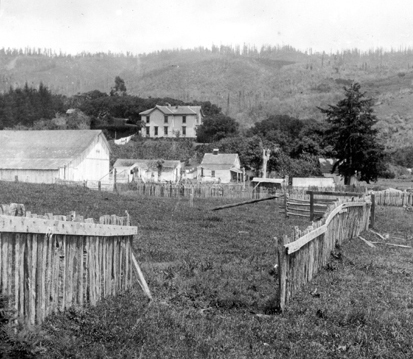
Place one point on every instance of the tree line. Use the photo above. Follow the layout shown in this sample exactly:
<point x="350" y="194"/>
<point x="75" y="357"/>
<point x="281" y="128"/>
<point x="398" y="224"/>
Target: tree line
<point x="347" y="133"/>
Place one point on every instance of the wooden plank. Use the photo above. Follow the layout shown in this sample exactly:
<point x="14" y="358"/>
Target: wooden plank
<point x="49" y="271"/>
<point x="299" y="204"/>
<point x="1" y="262"/>
<point x="246" y="202"/>
<point x="16" y="269"/>
<point x="4" y="263"/>
<point x="296" y="245"/>
<point x="63" y="271"/>
<point x="40" y="280"/>
<point x="41" y="226"/>
<point x="339" y="194"/>
<point x="141" y="278"/>
<point x="80" y="259"/>
<point x="22" y="273"/>
<point x="55" y="273"/>
<point x="32" y="283"/>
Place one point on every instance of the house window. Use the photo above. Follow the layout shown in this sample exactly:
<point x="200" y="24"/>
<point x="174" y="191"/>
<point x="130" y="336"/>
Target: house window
<point x="147" y="131"/>
<point x="212" y="173"/>
<point x="156" y="130"/>
<point x="183" y="130"/>
<point x="202" y="172"/>
<point x="183" y="119"/>
<point x="165" y="119"/>
<point x="147" y="119"/>
<point x="165" y="130"/>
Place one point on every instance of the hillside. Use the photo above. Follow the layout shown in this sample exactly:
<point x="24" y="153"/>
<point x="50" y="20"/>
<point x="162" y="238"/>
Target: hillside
<point x="248" y="85"/>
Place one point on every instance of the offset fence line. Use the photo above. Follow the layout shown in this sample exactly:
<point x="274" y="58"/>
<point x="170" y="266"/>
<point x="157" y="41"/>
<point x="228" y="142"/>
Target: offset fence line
<point x="301" y="257"/>
<point x="51" y="263"/>
<point x="395" y="199"/>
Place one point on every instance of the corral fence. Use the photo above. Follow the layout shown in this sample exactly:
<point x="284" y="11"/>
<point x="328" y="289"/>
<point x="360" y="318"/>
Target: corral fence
<point x="301" y="256"/>
<point x="316" y="205"/>
<point x="51" y="263"/>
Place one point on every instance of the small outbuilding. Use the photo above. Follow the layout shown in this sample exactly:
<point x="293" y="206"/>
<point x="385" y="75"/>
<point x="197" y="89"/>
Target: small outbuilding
<point x="49" y="156"/>
<point x="155" y="170"/>
<point x="270" y="184"/>
<point x="220" y="167"/>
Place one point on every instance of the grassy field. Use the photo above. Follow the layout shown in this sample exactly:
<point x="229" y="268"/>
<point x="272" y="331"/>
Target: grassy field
<point x="212" y="277"/>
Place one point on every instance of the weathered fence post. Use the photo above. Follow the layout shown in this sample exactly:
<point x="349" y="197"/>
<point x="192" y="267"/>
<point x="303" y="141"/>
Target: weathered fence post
<point x="99" y="185"/>
<point x="282" y="272"/>
<point x="373" y="209"/>
<point x="191" y="198"/>
<point x="311" y="205"/>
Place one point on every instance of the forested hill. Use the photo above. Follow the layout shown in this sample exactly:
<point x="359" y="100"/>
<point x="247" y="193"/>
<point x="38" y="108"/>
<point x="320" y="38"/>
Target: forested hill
<point x="247" y="83"/>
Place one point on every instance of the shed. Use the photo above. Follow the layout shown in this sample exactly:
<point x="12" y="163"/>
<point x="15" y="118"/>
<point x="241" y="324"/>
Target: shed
<point x="154" y="170"/>
<point x="271" y="184"/>
<point x="44" y="156"/>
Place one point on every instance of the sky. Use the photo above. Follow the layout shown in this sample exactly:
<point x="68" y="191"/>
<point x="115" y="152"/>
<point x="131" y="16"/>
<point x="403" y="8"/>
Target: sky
<point x="144" y="26"/>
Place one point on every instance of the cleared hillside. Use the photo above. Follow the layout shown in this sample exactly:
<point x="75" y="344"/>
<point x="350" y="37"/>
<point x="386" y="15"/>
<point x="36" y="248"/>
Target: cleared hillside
<point x="248" y="85"/>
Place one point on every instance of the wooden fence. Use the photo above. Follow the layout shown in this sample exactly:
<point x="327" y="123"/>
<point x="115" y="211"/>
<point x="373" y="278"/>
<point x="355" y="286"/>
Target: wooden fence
<point x="314" y="206"/>
<point x="50" y="263"/>
<point x="303" y="255"/>
<point x="196" y="191"/>
<point x="396" y="199"/>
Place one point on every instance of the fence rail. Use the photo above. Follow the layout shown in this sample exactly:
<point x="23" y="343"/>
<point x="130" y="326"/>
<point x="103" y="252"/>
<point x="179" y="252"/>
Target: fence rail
<point x="51" y="263"/>
<point x="303" y="255"/>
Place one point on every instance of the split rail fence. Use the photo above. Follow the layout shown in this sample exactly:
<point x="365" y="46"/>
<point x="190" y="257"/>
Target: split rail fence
<point x="303" y="255"/>
<point x="50" y="263"/>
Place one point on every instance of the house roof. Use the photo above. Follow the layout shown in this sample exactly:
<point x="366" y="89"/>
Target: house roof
<point x="124" y="162"/>
<point x="174" y="110"/>
<point x="219" y="159"/>
<point x="46" y="150"/>
<point x="326" y="164"/>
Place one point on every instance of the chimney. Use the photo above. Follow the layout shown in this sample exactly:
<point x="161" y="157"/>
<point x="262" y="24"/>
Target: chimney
<point x="215" y="151"/>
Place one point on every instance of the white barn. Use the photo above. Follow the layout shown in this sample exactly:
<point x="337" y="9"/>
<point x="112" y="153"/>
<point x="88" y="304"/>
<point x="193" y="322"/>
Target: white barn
<point x="44" y="156"/>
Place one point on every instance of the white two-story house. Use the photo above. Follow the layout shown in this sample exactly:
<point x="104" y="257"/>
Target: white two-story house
<point x="171" y="121"/>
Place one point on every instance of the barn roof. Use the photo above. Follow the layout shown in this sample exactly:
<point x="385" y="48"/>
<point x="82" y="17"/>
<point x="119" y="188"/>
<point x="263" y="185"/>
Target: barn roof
<point x="45" y="150"/>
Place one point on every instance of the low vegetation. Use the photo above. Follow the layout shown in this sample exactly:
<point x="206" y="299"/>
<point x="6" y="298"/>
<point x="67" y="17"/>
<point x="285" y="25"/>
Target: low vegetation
<point x="213" y="279"/>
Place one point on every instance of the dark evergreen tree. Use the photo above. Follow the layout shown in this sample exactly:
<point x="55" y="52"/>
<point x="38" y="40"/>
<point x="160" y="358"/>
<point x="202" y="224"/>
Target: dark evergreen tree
<point x="352" y="135"/>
